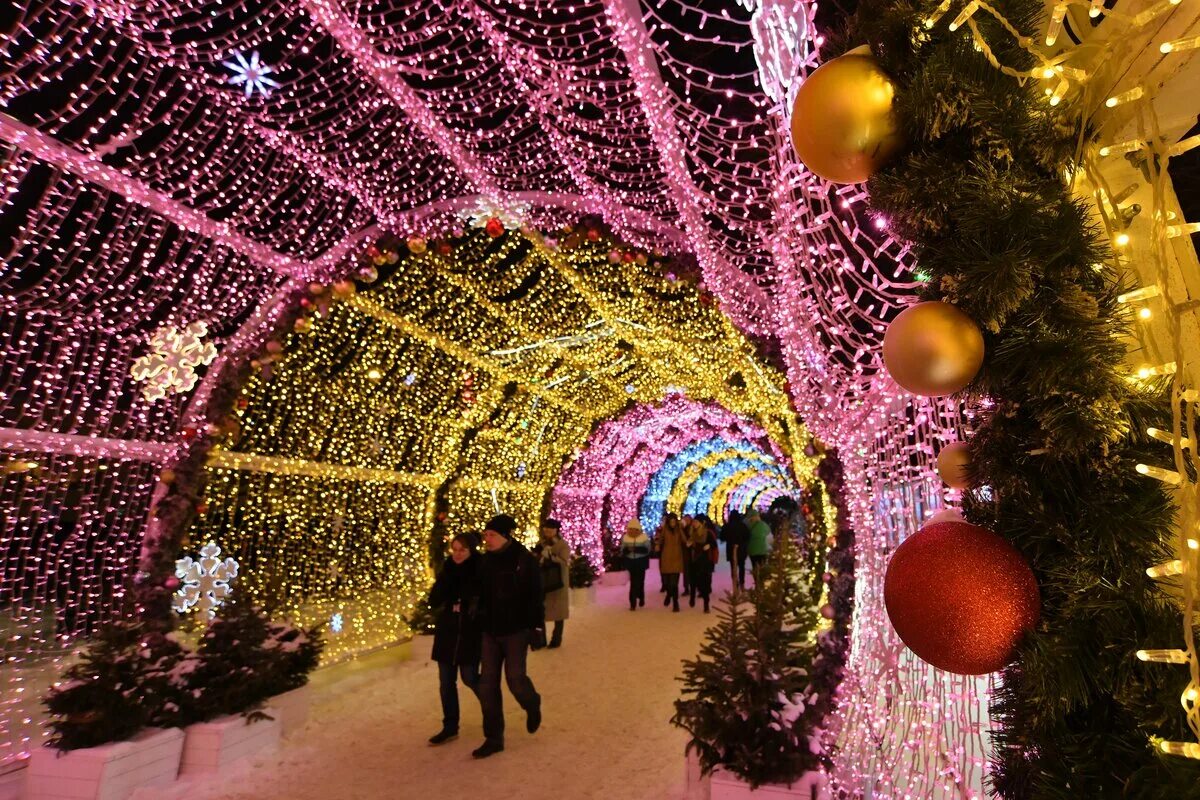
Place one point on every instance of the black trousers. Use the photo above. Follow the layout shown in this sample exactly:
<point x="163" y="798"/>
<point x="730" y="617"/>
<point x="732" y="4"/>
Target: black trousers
<point x="507" y="651"/>
<point x="737" y="569"/>
<point x="448" y="680"/>
<point x="556" y="637"/>
<point x="671" y="581"/>
<point x="637" y="587"/>
<point x="701" y="582"/>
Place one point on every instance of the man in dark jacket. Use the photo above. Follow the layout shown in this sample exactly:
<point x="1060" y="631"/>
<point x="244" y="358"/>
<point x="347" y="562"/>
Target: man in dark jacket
<point x="736" y="536"/>
<point x="510" y="611"/>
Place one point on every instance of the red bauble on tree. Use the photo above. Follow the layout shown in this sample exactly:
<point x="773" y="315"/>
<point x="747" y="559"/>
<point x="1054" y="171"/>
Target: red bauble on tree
<point x="494" y="227"/>
<point x="960" y="597"/>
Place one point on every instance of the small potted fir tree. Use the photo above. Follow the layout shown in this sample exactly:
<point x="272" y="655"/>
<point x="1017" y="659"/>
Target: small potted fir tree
<point x="111" y="717"/>
<point x="583" y="578"/>
<point x="748" y="702"/>
<point x="243" y="662"/>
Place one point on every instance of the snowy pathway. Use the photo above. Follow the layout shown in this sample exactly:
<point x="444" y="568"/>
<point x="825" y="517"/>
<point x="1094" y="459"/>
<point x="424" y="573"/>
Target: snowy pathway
<point x="607" y="698"/>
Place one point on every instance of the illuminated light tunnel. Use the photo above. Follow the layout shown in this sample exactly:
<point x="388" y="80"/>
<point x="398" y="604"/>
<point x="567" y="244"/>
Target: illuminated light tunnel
<point x="605" y="486"/>
<point x="709" y="494"/>
<point x="674" y="486"/>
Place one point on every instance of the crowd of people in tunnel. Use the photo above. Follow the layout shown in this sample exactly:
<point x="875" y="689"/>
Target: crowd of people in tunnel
<point x="496" y="605"/>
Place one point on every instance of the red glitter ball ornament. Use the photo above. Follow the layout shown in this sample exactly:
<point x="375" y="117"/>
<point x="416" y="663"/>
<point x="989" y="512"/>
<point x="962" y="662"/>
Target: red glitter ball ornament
<point x="494" y="227"/>
<point x="960" y="597"/>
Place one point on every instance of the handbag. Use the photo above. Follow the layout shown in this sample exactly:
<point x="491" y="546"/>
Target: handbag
<point x="551" y="577"/>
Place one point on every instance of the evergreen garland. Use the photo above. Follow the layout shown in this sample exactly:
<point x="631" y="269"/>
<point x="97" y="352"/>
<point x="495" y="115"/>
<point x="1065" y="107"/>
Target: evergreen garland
<point x="980" y="192"/>
<point x="177" y="508"/>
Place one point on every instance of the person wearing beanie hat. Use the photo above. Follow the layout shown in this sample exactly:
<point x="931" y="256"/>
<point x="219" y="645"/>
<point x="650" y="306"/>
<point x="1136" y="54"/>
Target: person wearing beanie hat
<point x="510" y="610"/>
<point x="502" y="524"/>
<point x="635" y="547"/>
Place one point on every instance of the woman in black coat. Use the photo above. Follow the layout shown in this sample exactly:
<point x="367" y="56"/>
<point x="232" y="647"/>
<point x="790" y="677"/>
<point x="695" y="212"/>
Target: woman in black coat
<point x="457" y="637"/>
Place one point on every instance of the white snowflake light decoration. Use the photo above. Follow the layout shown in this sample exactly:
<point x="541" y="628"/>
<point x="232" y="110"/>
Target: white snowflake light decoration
<point x="483" y="211"/>
<point x="336" y="622"/>
<point x="252" y="74"/>
<point x="205" y="582"/>
<point x="170" y="366"/>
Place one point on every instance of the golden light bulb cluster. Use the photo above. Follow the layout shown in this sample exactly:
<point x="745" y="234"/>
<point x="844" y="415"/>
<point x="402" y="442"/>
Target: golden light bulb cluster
<point x="449" y="384"/>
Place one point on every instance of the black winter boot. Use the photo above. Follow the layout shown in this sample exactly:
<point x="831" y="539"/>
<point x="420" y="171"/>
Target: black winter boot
<point x="488" y="748"/>
<point x="443" y="736"/>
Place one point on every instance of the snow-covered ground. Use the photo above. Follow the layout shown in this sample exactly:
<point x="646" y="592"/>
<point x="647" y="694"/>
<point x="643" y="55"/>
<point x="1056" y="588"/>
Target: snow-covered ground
<point x="607" y="697"/>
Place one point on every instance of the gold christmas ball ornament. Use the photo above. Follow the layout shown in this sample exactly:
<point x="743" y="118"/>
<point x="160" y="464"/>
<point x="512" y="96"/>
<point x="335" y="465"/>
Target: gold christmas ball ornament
<point x="844" y="124"/>
<point x="933" y="349"/>
<point x="952" y="464"/>
<point x="343" y="289"/>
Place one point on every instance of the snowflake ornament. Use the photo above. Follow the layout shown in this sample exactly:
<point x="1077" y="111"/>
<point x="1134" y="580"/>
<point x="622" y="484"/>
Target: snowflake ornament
<point x="252" y="74"/>
<point x="336" y="622"/>
<point x="205" y="582"/>
<point x="170" y="366"/>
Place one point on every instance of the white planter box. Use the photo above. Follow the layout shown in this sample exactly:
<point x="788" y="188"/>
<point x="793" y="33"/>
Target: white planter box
<point x="292" y="708"/>
<point x="583" y="596"/>
<point x="211" y="746"/>
<point x="809" y="786"/>
<point x="615" y="578"/>
<point x="108" y="772"/>
<point x="722" y="785"/>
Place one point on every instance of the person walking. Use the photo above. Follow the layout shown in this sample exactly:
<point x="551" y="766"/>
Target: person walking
<point x="736" y="536"/>
<point x="685" y="525"/>
<point x="457" y="639"/>
<point x="759" y="545"/>
<point x="635" y="548"/>
<point x="554" y="557"/>
<point x="668" y="543"/>
<point x="510" y="611"/>
<point x="702" y="560"/>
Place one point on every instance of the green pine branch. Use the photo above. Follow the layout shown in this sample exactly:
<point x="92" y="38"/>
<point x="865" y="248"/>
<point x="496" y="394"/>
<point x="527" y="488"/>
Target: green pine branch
<point x="981" y="195"/>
